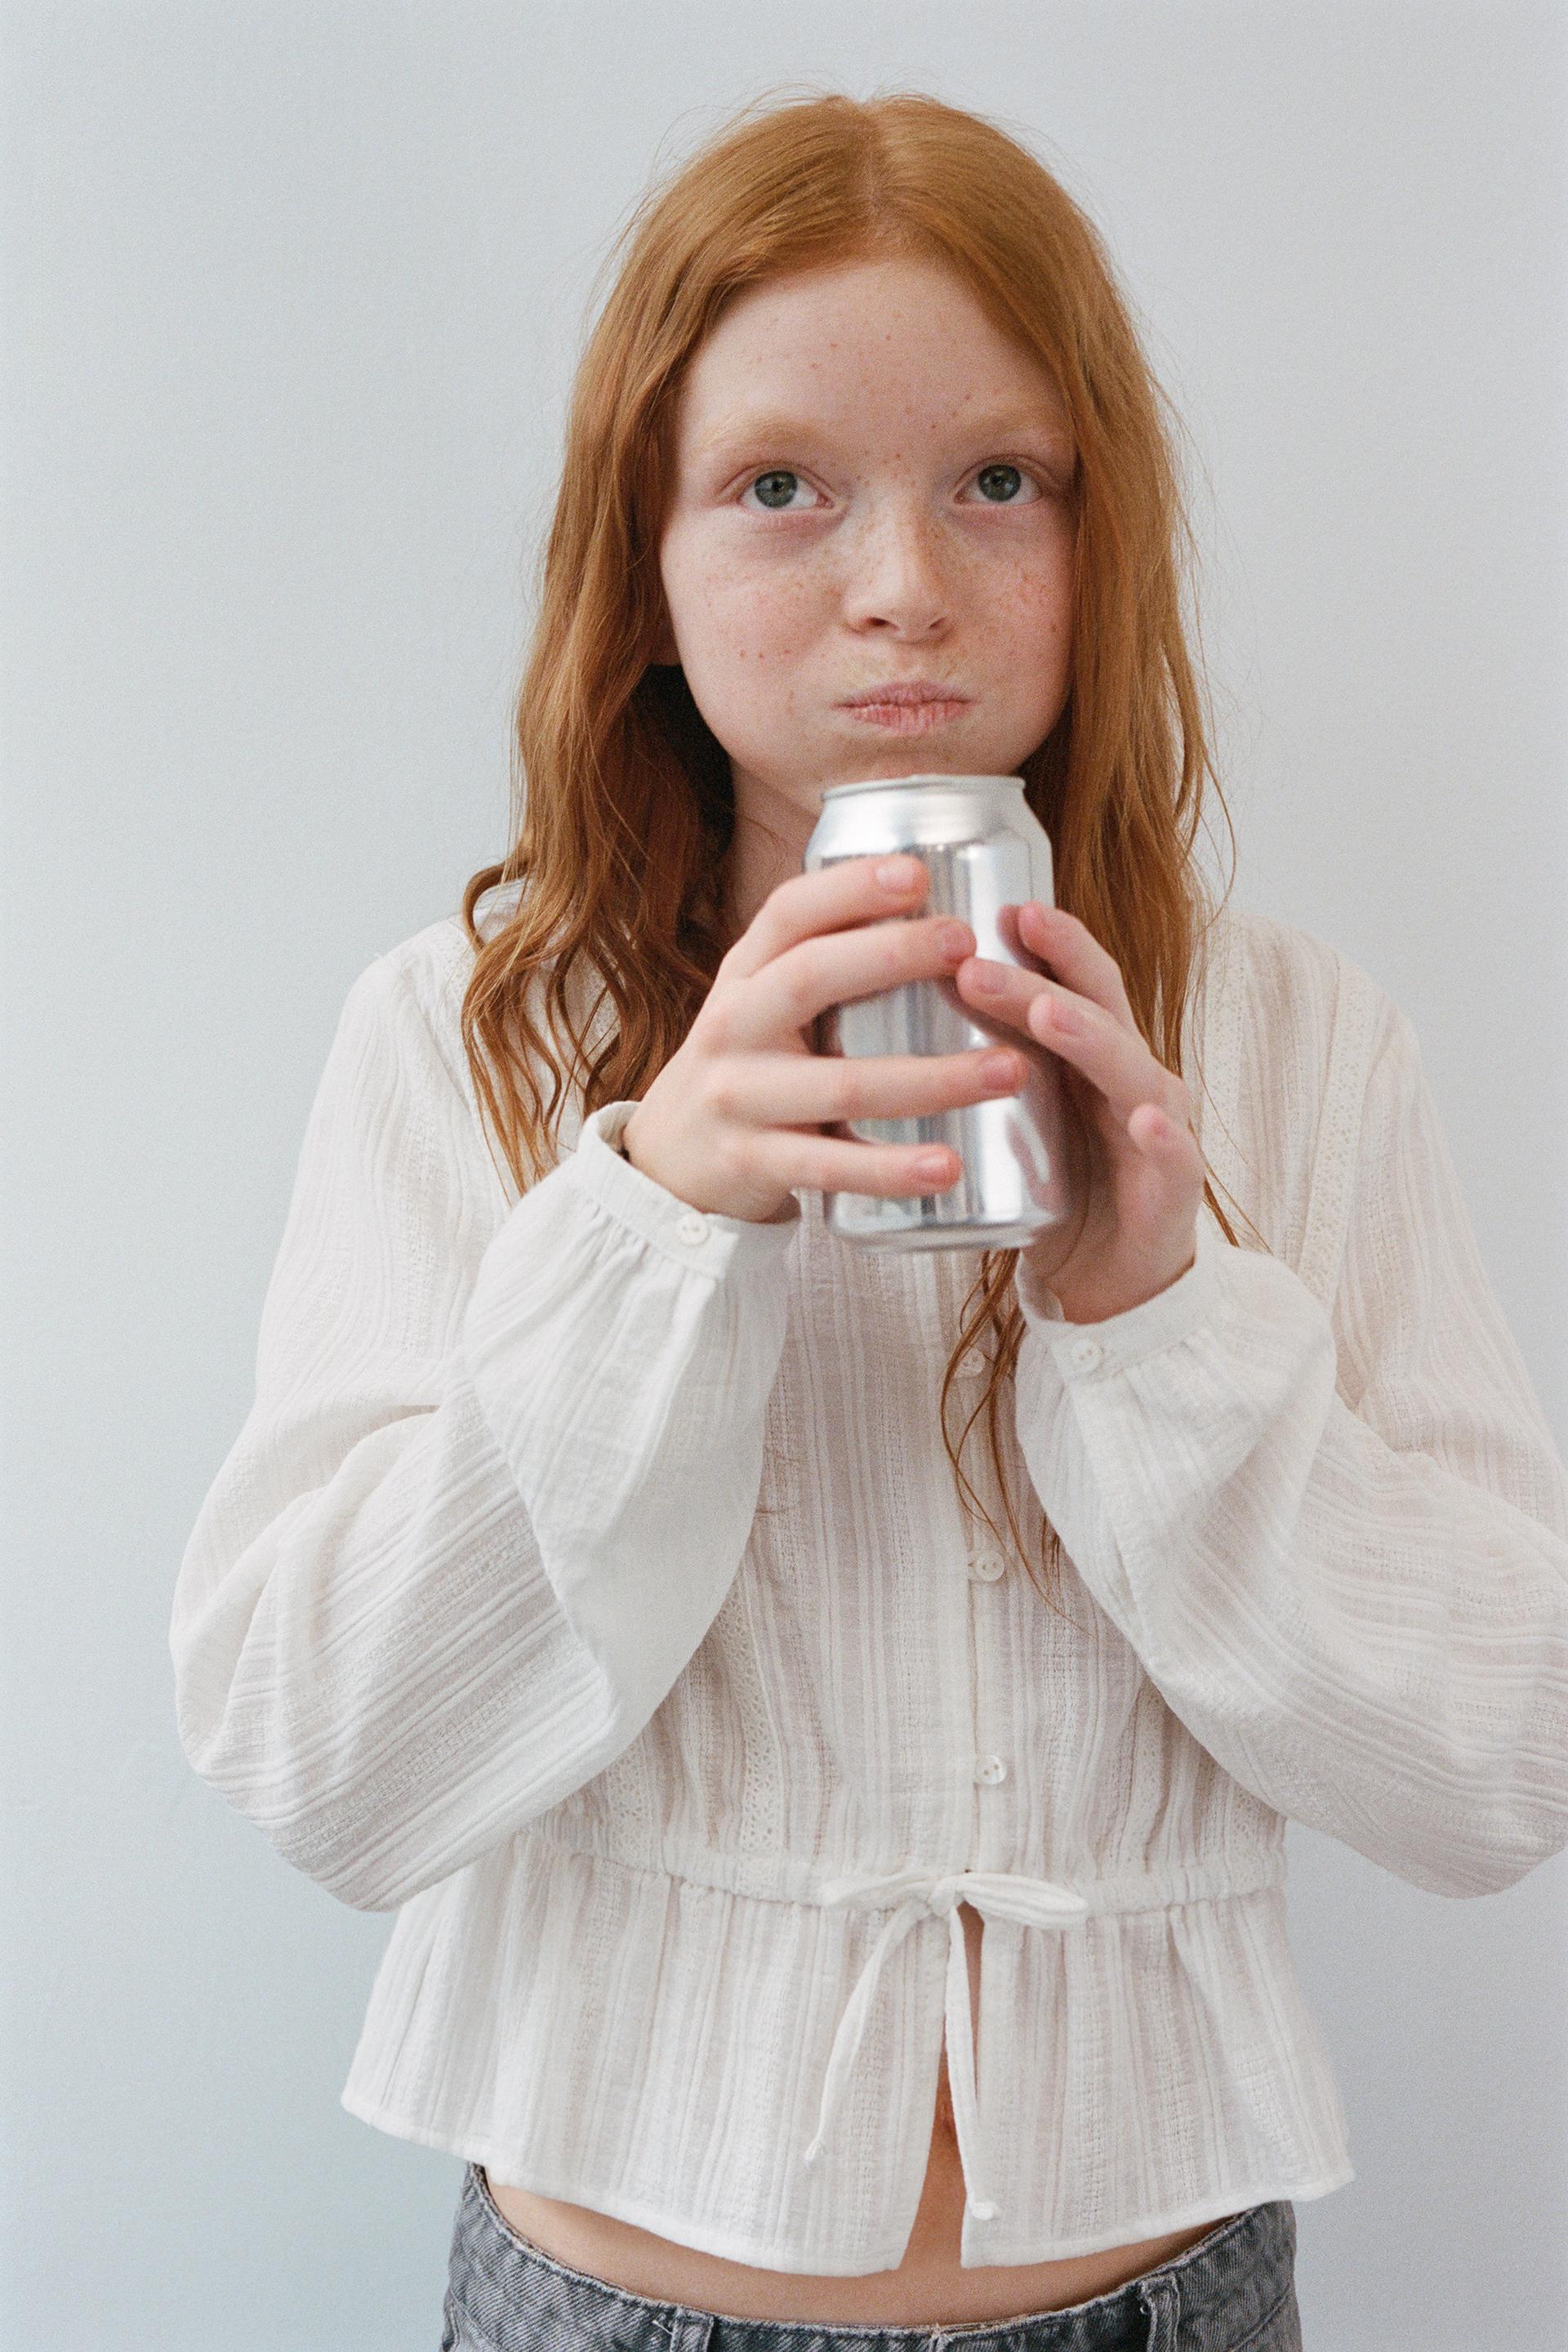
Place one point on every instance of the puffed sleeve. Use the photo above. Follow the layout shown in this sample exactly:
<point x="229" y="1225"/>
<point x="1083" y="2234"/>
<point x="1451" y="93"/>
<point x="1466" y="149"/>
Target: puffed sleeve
<point x="1338" y="1543"/>
<point x="498" y="1473"/>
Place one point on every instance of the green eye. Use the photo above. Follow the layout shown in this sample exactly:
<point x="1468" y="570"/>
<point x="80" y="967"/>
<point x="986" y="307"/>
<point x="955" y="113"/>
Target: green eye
<point x="776" y="490"/>
<point x="999" y="483"/>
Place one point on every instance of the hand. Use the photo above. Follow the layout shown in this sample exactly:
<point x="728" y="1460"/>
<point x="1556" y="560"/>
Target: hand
<point x="1144" y="1179"/>
<point x="733" y="1121"/>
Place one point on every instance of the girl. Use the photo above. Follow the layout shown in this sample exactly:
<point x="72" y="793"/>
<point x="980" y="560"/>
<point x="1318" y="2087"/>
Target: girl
<point x="812" y="1930"/>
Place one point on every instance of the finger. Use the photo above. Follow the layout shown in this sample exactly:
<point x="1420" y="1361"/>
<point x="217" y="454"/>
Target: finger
<point x="1008" y="991"/>
<point x="823" y="1163"/>
<point x="1113" y="1055"/>
<point x="792" y="1090"/>
<point x="784" y="997"/>
<point x="846" y="891"/>
<point x="1074" y="953"/>
<point x="1161" y="1138"/>
<point x="1112" y="1058"/>
<point x="1169" y="1163"/>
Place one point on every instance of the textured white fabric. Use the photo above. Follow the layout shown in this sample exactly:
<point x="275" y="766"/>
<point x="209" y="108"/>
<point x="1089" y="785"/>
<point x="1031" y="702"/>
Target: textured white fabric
<point x="588" y="1579"/>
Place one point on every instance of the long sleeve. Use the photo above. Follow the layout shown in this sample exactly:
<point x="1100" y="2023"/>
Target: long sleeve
<point x="498" y="1473"/>
<point x="1337" y="1544"/>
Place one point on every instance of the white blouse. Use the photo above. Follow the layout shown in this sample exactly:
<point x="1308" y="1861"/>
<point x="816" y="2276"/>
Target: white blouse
<point x="588" y="1585"/>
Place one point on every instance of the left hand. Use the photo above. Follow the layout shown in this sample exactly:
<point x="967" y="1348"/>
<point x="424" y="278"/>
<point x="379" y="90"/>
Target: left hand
<point x="1143" y="1180"/>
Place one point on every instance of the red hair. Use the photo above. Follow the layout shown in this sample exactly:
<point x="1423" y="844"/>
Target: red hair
<point x="624" y="806"/>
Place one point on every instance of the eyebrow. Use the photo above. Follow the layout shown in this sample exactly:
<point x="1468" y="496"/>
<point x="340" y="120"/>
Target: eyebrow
<point x="763" y="425"/>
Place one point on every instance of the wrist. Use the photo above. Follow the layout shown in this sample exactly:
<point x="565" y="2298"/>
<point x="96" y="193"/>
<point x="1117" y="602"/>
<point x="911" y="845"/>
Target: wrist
<point x="1081" y="1307"/>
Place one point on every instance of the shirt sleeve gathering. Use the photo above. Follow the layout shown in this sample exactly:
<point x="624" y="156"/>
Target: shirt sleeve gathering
<point x="1337" y="1544"/>
<point x="498" y="1475"/>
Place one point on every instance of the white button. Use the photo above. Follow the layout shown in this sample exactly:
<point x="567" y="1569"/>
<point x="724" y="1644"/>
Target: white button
<point x="1087" y="1353"/>
<point x="990" y="1769"/>
<point x="692" y="1228"/>
<point x="987" y="1566"/>
<point x="972" y="1363"/>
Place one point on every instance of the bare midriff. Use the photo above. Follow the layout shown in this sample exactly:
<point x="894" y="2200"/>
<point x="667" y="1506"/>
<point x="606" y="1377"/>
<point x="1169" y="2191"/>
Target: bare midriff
<point x="929" y="2289"/>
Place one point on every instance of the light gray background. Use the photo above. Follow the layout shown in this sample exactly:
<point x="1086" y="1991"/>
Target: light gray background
<point x="292" y="296"/>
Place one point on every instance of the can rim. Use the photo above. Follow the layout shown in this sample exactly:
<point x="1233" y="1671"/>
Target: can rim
<point x="899" y="783"/>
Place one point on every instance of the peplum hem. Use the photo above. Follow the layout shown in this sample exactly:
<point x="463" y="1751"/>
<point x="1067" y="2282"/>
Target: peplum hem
<point x="654" y="2046"/>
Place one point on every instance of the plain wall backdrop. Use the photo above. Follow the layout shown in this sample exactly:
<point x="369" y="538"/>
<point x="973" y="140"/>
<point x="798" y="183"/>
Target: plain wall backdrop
<point x="293" y="293"/>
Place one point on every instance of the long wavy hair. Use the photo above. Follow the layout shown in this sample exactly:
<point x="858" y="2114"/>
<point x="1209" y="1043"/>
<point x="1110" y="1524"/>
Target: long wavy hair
<point x="623" y="806"/>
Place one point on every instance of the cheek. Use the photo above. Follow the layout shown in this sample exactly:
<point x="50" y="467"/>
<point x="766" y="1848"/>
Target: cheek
<point x="1033" y="606"/>
<point x="730" y="611"/>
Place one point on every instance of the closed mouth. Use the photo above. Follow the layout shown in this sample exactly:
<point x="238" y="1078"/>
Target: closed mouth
<point x="911" y="715"/>
<point x="907" y="696"/>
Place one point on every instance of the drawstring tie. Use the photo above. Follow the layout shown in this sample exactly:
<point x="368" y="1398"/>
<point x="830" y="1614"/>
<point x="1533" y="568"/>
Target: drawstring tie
<point x="995" y="1895"/>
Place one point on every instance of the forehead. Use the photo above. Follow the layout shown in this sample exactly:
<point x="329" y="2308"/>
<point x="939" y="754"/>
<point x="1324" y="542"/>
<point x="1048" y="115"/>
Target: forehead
<point x="858" y="342"/>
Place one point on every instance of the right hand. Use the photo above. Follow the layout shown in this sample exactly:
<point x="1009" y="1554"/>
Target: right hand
<point x="731" y="1123"/>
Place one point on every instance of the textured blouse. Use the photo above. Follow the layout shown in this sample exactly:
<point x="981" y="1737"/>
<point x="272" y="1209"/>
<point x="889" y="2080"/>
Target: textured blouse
<point x="588" y="1585"/>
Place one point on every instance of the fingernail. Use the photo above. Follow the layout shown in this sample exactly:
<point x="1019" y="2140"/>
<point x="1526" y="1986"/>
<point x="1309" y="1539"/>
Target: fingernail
<point x="999" y="1069"/>
<point x="985" y="975"/>
<point x="898" y="873"/>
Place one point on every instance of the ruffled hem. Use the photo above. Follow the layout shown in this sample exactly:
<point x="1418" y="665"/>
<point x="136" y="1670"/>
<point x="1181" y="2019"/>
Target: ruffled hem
<point x="1147" y="2070"/>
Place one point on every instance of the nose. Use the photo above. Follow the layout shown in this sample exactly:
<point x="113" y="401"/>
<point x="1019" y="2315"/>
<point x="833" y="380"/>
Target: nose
<point x="897" y="578"/>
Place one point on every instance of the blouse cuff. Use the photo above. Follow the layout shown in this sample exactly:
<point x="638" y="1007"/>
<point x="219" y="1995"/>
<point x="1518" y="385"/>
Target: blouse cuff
<point x="697" y="1238"/>
<point x="1082" y="1349"/>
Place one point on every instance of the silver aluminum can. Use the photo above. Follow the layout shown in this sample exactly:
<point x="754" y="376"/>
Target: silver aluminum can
<point x="984" y="848"/>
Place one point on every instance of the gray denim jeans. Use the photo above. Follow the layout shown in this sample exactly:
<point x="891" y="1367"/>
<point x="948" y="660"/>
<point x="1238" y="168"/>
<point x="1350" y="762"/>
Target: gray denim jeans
<point x="1234" y="2291"/>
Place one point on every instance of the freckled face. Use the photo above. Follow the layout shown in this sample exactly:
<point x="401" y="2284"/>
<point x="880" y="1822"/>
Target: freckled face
<point x="871" y="485"/>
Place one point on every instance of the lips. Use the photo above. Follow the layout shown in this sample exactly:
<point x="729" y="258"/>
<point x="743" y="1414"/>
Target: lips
<point x="907" y="718"/>
<point x="907" y="692"/>
<point x="912" y="708"/>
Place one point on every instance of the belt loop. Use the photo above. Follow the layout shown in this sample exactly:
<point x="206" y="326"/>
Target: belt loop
<point x="1161" y="2300"/>
<point x="692" y="2331"/>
